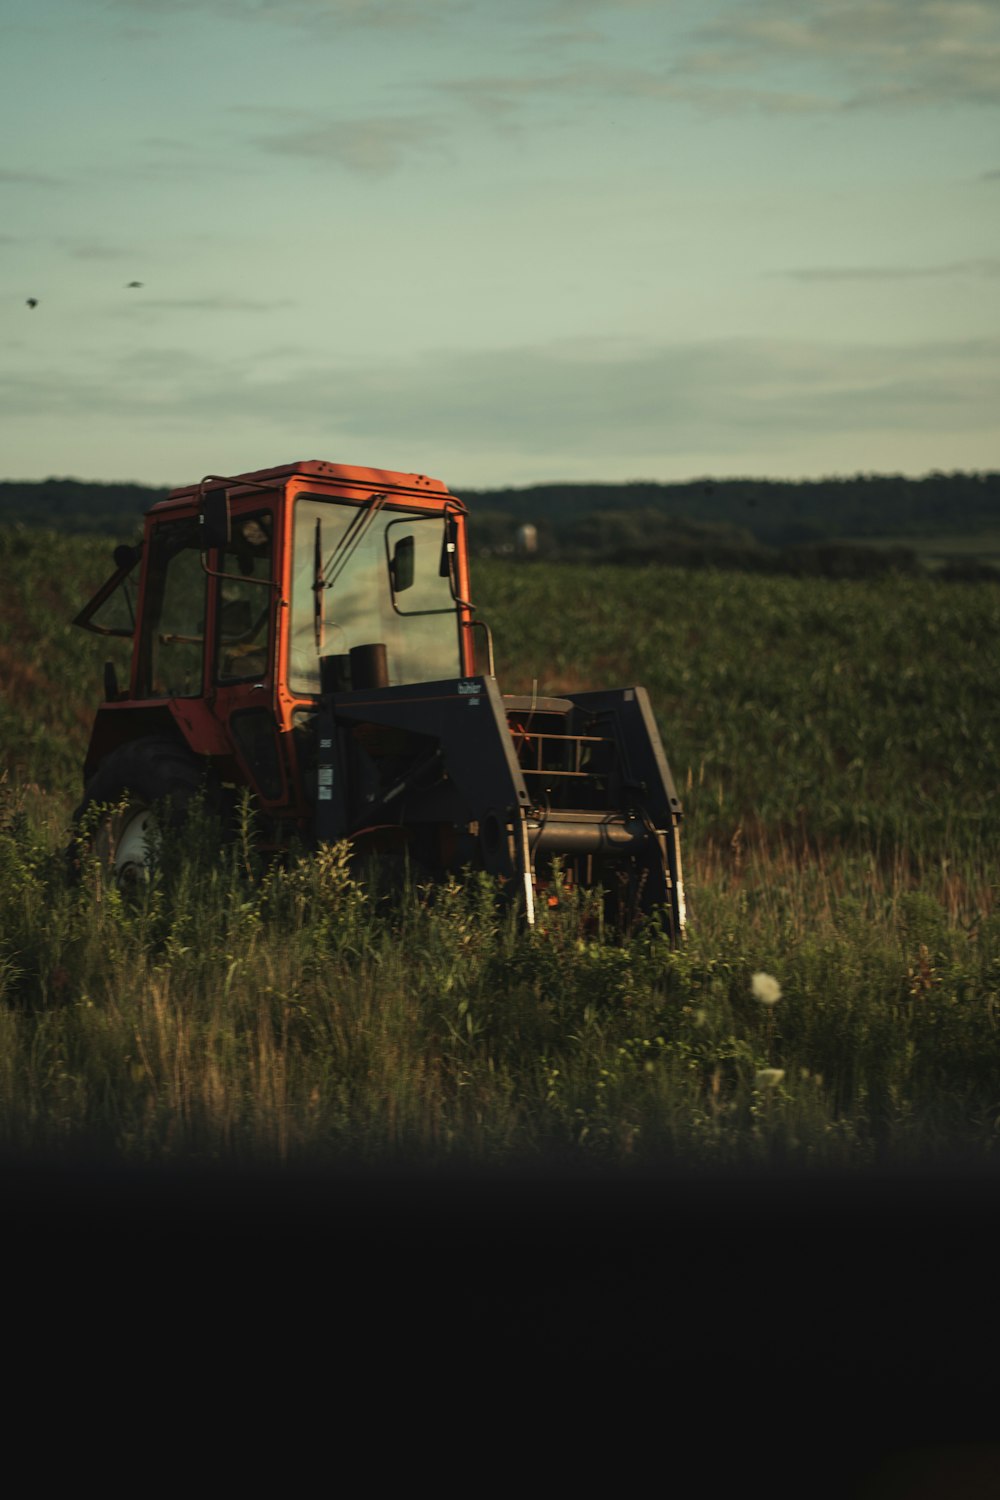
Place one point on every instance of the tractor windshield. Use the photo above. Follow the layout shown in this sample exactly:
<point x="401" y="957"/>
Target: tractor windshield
<point x="366" y="574"/>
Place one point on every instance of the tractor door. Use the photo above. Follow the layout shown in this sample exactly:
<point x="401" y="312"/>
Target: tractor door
<point x="243" y="645"/>
<point x="112" y="613"/>
<point x="372" y="586"/>
<point x="171" y="651"/>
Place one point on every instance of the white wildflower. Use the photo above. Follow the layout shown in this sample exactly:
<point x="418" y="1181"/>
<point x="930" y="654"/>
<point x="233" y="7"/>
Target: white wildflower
<point x="766" y="989"/>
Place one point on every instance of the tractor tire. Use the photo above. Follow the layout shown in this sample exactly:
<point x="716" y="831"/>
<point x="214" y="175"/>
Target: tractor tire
<point x="145" y="780"/>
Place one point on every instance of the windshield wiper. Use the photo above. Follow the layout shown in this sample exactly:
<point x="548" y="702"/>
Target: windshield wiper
<point x="326" y="577"/>
<point x="318" y="587"/>
<point x="348" y="544"/>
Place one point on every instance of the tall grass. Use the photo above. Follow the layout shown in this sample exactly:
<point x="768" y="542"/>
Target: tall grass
<point x="230" y="1013"/>
<point x="836" y="747"/>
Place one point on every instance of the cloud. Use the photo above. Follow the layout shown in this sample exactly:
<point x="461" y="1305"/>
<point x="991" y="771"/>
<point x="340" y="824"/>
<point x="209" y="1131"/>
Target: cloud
<point x="778" y="57"/>
<point x="372" y="147"/>
<point x="560" y="10"/>
<point x="500" y="97"/>
<point x="333" y="15"/>
<point x="94" y="249"/>
<point x="585" y="405"/>
<point x="786" y="57"/>
<point x="219" y="303"/>
<point x="172" y="157"/>
<point x="988" y="266"/>
<point x="877" y="52"/>
<point x="31" y="179"/>
<point x="402" y="15"/>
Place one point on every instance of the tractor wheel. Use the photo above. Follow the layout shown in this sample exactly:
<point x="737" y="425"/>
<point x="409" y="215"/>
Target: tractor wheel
<point x="144" y="781"/>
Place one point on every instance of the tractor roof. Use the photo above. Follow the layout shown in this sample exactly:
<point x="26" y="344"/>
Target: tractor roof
<point x="316" y="468"/>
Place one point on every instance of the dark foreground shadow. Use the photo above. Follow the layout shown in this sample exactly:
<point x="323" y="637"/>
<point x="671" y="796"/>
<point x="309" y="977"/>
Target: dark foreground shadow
<point x="802" y="1334"/>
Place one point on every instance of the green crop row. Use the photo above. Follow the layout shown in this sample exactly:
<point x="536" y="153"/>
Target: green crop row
<point x="837" y="711"/>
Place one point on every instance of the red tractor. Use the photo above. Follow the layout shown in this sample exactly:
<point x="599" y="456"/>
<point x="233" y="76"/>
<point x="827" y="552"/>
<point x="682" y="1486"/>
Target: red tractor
<point x="307" y="632"/>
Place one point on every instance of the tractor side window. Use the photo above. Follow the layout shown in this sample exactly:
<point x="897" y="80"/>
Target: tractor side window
<point x="173" y="635"/>
<point x="246" y="606"/>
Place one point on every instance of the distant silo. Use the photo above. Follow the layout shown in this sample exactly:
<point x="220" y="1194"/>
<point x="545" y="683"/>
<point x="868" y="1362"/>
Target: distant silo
<point x="526" y="540"/>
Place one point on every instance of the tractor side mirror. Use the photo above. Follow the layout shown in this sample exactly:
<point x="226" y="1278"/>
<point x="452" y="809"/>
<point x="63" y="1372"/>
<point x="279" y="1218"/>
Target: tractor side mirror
<point x="216" y="520"/>
<point x="402" y="564"/>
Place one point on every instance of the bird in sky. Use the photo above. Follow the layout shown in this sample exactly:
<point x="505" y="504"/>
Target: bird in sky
<point x="135" y="283"/>
<point x="32" y="302"/>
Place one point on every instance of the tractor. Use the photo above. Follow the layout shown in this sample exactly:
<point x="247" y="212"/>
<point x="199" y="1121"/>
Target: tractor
<point x="307" y="633"/>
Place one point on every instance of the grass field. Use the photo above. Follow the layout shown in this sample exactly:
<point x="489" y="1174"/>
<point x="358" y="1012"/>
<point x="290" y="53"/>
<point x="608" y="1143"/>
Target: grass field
<point x="835" y="744"/>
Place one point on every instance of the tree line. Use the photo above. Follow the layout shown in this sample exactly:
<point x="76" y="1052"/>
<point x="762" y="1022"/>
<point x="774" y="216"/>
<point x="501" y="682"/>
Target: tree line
<point x="809" y="525"/>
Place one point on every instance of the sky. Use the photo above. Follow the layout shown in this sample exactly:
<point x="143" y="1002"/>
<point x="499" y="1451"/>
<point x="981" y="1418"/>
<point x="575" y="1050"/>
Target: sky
<point x="499" y="241"/>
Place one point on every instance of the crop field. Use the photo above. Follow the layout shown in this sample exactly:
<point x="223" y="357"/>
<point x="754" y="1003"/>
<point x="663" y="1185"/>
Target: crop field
<point x="835" y="1004"/>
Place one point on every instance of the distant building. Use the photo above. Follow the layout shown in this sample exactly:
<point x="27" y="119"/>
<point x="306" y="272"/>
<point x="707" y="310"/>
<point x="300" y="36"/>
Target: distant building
<point x="526" y="540"/>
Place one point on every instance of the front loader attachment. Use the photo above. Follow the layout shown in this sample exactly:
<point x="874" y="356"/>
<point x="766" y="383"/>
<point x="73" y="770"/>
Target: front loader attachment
<point x="461" y="776"/>
<point x="602" y="799"/>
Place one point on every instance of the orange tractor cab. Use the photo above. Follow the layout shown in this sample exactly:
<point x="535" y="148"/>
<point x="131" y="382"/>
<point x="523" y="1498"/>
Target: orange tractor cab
<point x="307" y="632"/>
